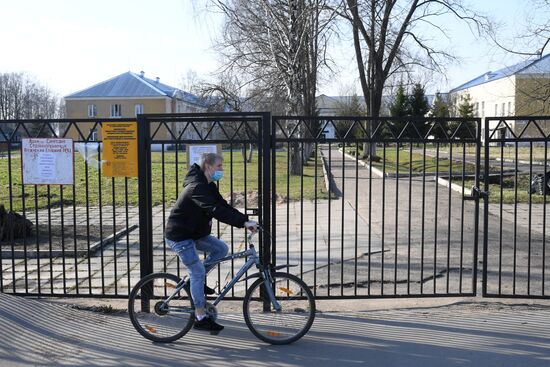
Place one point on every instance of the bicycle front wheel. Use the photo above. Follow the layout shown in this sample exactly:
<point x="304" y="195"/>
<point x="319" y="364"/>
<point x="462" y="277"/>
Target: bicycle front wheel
<point x="156" y="319"/>
<point x="292" y="321"/>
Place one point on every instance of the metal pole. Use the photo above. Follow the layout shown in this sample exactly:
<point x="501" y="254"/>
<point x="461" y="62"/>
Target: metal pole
<point x="485" y="206"/>
<point x="265" y="144"/>
<point x="145" y="209"/>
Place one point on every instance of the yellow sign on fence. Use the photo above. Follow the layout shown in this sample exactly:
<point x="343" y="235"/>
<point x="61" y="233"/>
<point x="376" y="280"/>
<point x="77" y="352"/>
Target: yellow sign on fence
<point x="120" y="149"/>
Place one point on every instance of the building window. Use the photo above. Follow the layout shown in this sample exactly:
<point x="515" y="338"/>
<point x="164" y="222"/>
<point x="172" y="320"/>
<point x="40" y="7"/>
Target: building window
<point x="502" y="109"/>
<point x="509" y="108"/>
<point x="139" y="109"/>
<point x="496" y="109"/>
<point x="92" y="110"/>
<point x="483" y="109"/>
<point x="116" y="110"/>
<point x="476" y="109"/>
<point x="93" y="135"/>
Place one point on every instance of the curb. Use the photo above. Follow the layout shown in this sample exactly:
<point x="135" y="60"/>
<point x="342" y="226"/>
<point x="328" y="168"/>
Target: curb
<point x="376" y="171"/>
<point x="508" y="160"/>
<point x="329" y="184"/>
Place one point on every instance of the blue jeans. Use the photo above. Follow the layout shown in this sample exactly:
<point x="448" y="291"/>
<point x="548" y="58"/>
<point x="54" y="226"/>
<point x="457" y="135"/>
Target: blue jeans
<point x="187" y="252"/>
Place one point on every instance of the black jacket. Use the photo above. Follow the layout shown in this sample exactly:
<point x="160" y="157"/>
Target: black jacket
<point x="199" y="202"/>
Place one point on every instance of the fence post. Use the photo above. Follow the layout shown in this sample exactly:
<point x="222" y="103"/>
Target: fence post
<point x="485" y="205"/>
<point x="266" y="196"/>
<point x="145" y="209"/>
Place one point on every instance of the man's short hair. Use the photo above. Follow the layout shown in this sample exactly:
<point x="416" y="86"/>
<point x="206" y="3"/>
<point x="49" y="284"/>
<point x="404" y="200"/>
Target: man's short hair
<point x="209" y="159"/>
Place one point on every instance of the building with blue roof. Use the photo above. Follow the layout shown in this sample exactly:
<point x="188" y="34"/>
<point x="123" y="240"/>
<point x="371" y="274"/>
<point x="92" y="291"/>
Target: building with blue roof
<point x="127" y="95"/>
<point x="522" y="89"/>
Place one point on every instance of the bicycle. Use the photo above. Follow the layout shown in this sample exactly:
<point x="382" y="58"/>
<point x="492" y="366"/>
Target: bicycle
<point x="278" y="308"/>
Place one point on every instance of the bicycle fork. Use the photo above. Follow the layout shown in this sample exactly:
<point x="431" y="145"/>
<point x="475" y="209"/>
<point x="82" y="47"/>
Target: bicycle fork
<point x="268" y="280"/>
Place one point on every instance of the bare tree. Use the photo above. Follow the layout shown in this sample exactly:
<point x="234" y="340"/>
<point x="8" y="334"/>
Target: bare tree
<point x="22" y="97"/>
<point x="278" y="44"/>
<point x="228" y="95"/>
<point x="387" y="41"/>
<point x="530" y="40"/>
<point x="532" y="34"/>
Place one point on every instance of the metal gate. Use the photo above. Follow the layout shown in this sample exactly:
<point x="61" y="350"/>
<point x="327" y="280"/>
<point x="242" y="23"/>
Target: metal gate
<point x="163" y="162"/>
<point x="403" y="225"/>
<point x="515" y="210"/>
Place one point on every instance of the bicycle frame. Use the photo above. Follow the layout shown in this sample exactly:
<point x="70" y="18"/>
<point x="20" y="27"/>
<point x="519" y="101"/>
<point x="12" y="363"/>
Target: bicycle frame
<point x="253" y="260"/>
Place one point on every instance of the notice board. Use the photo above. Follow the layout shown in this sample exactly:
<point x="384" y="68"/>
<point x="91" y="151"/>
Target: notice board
<point x="47" y="161"/>
<point x="120" y="149"/>
<point x="195" y="151"/>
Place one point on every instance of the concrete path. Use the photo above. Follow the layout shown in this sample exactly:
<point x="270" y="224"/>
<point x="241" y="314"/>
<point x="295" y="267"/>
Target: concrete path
<point x="38" y="333"/>
<point x="428" y="233"/>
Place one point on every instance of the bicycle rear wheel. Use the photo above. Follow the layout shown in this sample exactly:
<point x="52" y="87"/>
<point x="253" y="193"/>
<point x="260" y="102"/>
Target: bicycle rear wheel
<point x="159" y="321"/>
<point x="293" y="320"/>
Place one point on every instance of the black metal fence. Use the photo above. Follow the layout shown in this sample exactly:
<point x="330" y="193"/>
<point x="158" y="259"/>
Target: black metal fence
<point x="515" y="234"/>
<point x="83" y="235"/>
<point x="403" y="222"/>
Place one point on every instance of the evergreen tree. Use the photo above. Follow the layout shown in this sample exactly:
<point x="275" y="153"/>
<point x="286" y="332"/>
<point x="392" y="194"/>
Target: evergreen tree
<point x="398" y="108"/>
<point x="400" y="105"/>
<point x="465" y="110"/>
<point x="350" y="106"/>
<point x="418" y="108"/>
<point x="442" y="110"/>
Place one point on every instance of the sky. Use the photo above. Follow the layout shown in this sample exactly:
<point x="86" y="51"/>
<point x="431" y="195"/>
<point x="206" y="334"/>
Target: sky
<point x="71" y="45"/>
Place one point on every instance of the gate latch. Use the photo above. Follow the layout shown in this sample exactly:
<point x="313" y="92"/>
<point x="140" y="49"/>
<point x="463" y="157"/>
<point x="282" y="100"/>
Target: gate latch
<point x="477" y="194"/>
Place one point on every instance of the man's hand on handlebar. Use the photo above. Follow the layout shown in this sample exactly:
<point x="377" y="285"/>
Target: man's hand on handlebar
<point x="251" y="225"/>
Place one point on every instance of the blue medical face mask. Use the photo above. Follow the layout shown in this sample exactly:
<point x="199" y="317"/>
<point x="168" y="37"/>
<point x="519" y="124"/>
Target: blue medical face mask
<point x="217" y="175"/>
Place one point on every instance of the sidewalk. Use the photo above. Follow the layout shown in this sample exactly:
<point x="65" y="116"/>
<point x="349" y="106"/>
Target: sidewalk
<point x="38" y="333"/>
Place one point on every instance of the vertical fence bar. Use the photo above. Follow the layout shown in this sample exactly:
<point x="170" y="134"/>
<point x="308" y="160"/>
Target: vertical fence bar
<point x="501" y="201"/>
<point x="356" y="254"/>
<point x="544" y="217"/>
<point x="449" y="216"/>
<point x="100" y="208"/>
<point x="463" y="184"/>
<point x="516" y="182"/>
<point x="343" y="218"/>
<point x="397" y="151"/>
<point x="422" y="231"/>
<point x="264" y="146"/>
<point x="435" y="216"/>
<point x="145" y="209"/>
<point x="529" y="221"/>
<point x="315" y="221"/>
<point x="329" y="173"/>
<point x="409" y="221"/>
<point x="485" y="208"/>
<point x="383" y="217"/>
<point x="64" y="275"/>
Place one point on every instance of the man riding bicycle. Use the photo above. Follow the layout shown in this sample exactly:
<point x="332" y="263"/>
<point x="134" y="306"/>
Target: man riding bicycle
<point x="189" y="226"/>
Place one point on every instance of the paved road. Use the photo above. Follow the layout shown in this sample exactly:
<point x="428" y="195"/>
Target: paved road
<point x="37" y="333"/>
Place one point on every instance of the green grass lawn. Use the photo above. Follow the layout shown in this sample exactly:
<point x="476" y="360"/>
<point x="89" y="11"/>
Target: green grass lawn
<point x="167" y="181"/>
<point x="416" y="161"/>
<point x="507" y="152"/>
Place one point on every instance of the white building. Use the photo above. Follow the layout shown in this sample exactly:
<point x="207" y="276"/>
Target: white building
<point x="518" y="90"/>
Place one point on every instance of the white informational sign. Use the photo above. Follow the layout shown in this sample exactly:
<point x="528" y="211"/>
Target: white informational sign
<point x="194" y="152"/>
<point x="48" y="161"/>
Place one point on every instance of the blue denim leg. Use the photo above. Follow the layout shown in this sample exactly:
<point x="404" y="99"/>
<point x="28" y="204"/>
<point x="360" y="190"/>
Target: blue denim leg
<point x="187" y="252"/>
<point x="215" y="248"/>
